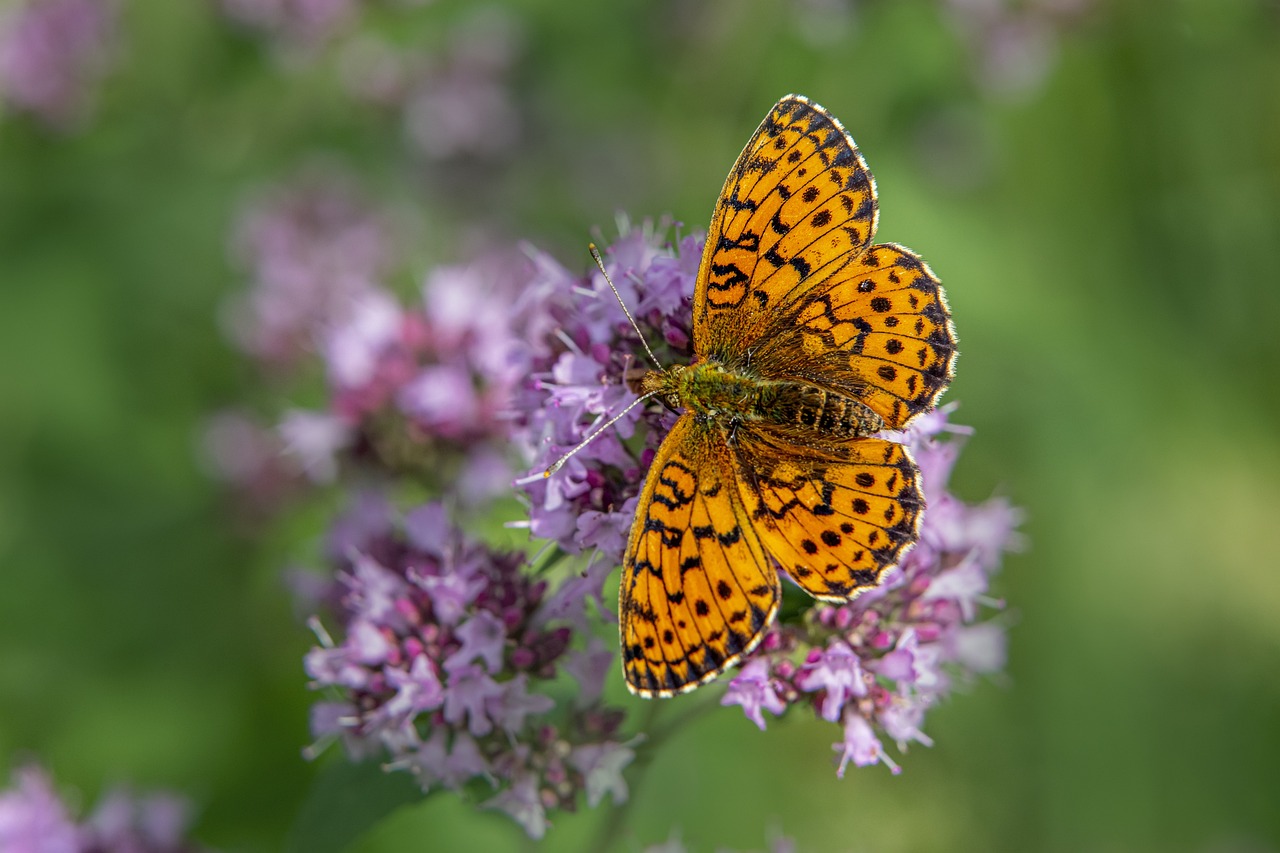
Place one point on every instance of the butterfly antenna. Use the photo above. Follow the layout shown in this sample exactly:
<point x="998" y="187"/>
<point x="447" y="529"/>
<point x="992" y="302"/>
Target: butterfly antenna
<point x="595" y="253"/>
<point x="559" y="463"/>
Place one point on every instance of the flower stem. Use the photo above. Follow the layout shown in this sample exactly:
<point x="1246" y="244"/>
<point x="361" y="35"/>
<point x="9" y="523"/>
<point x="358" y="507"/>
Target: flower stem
<point x="655" y="735"/>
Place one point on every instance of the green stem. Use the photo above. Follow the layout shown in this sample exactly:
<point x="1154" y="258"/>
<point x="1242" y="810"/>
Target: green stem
<point x="655" y="734"/>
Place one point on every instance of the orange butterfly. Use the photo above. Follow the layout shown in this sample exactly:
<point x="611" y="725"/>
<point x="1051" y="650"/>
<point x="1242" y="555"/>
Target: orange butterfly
<point x="808" y="341"/>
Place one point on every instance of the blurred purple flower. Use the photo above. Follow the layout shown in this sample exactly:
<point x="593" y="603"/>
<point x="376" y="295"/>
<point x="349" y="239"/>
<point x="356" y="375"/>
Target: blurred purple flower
<point x="435" y="763"/>
<point x="444" y="667"/>
<point x="314" y="440"/>
<point x="601" y="765"/>
<point x="246" y="455"/>
<point x="902" y="717"/>
<point x="523" y="802"/>
<point x="34" y="820"/>
<point x="589" y="668"/>
<point x="1014" y="42"/>
<point x="422" y="389"/>
<point x="302" y="23"/>
<point x="425" y="389"/>
<point x="154" y="823"/>
<point x="482" y="636"/>
<point x="456" y="104"/>
<point x="824" y="23"/>
<point x="471" y="692"/>
<point x="313" y="249"/>
<point x="53" y="54"/>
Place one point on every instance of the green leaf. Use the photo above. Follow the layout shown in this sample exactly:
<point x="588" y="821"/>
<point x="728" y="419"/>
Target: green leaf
<point x="346" y="801"/>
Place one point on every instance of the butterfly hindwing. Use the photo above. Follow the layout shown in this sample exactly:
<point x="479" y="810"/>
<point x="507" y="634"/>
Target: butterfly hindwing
<point x="697" y="589"/>
<point x="798" y="205"/>
<point x="879" y="330"/>
<point x="834" y="520"/>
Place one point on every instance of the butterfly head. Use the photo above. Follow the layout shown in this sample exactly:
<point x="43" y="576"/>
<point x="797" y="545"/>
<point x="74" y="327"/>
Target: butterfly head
<point x="667" y="385"/>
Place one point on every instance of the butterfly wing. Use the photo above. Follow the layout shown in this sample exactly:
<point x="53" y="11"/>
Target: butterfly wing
<point x="834" y="519"/>
<point x="697" y="589"/>
<point x="879" y="331"/>
<point x="798" y="206"/>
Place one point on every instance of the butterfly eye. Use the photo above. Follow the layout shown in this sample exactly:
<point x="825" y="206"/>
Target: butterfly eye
<point x="673" y="401"/>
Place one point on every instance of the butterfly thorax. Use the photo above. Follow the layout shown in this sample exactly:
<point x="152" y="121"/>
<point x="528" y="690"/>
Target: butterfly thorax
<point x="718" y="393"/>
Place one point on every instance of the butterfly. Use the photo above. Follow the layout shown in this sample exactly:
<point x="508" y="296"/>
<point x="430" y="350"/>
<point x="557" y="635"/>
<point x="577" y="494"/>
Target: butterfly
<point x="808" y="341"/>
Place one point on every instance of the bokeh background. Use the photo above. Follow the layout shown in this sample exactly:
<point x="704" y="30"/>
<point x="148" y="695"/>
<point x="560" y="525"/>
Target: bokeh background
<point x="1096" y="183"/>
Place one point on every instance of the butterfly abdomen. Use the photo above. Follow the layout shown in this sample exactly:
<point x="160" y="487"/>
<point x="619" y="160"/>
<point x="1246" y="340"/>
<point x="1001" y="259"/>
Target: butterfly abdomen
<point x="804" y="408"/>
<point x="716" y="392"/>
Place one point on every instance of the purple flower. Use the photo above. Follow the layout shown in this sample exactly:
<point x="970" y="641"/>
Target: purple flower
<point x="450" y="593"/>
<point x="315" y="440"/>
<point x="861" y="746"/>
<point x="423" y="389"/>
<point x="483" y="636"/>
<point x="910" y="663"/>
<point x="373" y="591"/>
<point x="1015" y="44"/>
<point x="427" y="529"/>
<point x="963" y="584"/>
<point x="754" y="690"/>
<point x="590" y="667"/>
<point x="442" y="398"/>
<point x="354" y="347"/>
<point x="300" y="23"/>
<point x="607" y="532"/>
<point x="601" y="764"/>
<point x="312" y="249"/>
<point x="570" y="600"/>
<point x="578" y="378"/>
<point x="34" y="820"/>
<point x="330" y="721"/>
<point x="444" y="664"/>
<point x="524" y="803"/>
<point x="512" y="708"/>
<point x="154" y="823"/>
<point x="902" y="717"/>
<point x="461" y="109"/>
<point x="416" y="691"/>
<point x="981" y="648"/>
<point x="836" y="672"/>
<point x="471" y="691"/>
<point x="434" y="762"/>
<point x="243" y="452"/>
<point x="52" y="55"/>
<point x="455" y="104"/>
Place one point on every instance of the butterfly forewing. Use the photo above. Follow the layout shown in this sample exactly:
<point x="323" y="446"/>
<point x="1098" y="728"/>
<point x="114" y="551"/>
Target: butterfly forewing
<point x="697" y="589"/>
<point x="798" y="206"/>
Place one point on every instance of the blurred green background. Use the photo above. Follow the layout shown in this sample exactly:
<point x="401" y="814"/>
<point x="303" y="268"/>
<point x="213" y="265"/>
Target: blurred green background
<point x="1103" y="208"/>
